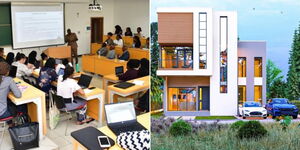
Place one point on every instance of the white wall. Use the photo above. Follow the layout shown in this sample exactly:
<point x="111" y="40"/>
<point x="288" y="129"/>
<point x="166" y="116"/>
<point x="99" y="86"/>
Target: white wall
<point x="77" y="18"/>
<point x="224" y="104"/>
<point x="133" y="14"/>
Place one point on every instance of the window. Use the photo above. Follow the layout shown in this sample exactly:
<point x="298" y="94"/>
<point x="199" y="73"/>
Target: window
<point x="258" y="93"/>
<point x="242" y="66"/>
<point x="223" y="53"/>
<point x="202" y="40"/>
<point x="176" y="57"/>
<point x="257" y="67"/>
<point x="182" y="99"/>
<point x="242" y="94"/>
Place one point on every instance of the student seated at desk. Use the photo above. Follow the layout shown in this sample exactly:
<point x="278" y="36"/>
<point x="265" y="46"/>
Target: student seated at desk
<point x="7" y="84"/>
<point x="136" y="42"/>
<point x="132" y="70"/>
<point x="23" y="70"/>
<point x="139" y="32"/>
<point x="2" y="54"/>
<point x="10" y="58"/>
<point x="125" y="55"/>
<point x="147" y="46"/>
<point x="66" y="87"/>
<point x="128" y="32"/>
<point x="103" y="50"/>
<point x="44" y="59"/>
<point x="142" y="104"/>
<point x="109" y="41"/>
<point x="118" y="30"/>
<point x="65" y="63"/>
<point x="111" y="53"/>
<point x="32" y="57"/>
<point x="47" y="75"/>
<point x="144" y="69"/>
<point x="118" y="41"/>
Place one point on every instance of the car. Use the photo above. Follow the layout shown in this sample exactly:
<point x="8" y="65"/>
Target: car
<point x="281" y="106"/>
<point x="252" y="109"/>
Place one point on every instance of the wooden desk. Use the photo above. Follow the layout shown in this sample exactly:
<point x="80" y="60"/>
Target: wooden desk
<point x="101" y="65"/>
<point x="135" y="53"/>
<point x="142" y="119"/>
<point x="95" y="104"/>
<point x="109" y="80"/>
<point x="129" y="91"/>
<point x="35" y="100"/>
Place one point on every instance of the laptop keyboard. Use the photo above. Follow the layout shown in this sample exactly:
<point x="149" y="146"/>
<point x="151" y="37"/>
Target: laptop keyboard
<point x="118" y="129"/>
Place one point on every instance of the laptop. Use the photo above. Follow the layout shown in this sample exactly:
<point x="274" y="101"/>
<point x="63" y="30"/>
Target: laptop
<point x="61" y="71"/>
<point x="124" y="85"/>
<point x="37" y="64"/>
<point x="58" y="61"/>
<point x="84" y="81"/>
<point x="13" y="71"/>
<point x="121" y="117"/>
<point x="119" y="70"/>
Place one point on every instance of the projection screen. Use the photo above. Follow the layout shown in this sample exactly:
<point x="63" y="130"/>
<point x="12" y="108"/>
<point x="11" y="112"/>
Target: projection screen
<point x="36" y="25"/>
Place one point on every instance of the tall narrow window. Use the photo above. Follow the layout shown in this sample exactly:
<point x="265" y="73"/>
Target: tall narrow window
<point x="257" y="67"/>
<point x="202" y="40"/>
<point x="242" y="94"/>
<point x="258" y="93"/>
<point x="242" y="66"/>
<point x="223" y="53"/>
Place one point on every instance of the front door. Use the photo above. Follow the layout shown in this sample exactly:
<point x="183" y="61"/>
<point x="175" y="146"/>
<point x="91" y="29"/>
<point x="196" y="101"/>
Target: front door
<point x="203" y="98"/>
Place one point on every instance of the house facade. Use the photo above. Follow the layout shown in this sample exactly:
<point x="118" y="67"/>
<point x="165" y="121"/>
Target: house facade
<point x="199" y="61"/>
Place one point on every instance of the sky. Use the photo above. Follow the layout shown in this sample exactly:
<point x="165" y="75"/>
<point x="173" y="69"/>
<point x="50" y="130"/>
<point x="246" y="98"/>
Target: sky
<point x="273" y="21"/>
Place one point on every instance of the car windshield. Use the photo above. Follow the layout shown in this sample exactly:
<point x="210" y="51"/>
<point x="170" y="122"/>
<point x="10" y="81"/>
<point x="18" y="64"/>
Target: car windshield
<point x="252" y="104"/>
<point x="280" y="101"/>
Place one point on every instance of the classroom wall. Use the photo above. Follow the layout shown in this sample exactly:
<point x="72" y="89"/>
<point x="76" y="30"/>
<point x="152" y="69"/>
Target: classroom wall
<point x="77" y="18"/>
<point x="133" y="14"/>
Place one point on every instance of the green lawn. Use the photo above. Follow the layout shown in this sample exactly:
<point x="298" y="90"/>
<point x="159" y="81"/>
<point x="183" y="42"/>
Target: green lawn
<point x="157" y="115"/>
<point x="215" y="117"/>
<point x="226" y="139"/>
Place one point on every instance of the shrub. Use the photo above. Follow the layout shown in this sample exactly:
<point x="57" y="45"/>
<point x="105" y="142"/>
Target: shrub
<point x="180" y="127"/>
<point x="251" y="129"/>
<point x="236" y="125"/>
<point x="161" y="125"/>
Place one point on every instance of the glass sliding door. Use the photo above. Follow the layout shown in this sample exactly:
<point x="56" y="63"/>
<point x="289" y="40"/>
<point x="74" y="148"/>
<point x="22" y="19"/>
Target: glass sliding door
<point x="182" y="99"/>
<point x="176" y="58"/>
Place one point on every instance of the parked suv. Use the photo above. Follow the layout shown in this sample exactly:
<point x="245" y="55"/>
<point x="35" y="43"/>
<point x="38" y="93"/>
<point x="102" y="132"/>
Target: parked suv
<point x="281" y="106"/>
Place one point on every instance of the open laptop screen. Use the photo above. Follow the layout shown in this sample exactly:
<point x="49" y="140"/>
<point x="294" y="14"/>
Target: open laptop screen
<point x="120" y="112"/>
<point x="119" y="70"/>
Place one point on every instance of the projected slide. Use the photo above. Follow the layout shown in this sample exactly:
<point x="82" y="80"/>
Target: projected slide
<point x="37" y="26"/>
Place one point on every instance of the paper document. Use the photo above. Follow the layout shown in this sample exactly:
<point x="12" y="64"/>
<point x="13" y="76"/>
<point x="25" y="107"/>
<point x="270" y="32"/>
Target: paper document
<point x="138" y="82"/>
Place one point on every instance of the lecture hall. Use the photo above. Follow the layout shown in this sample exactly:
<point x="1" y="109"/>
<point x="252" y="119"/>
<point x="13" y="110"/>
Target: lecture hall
<point x="74" y="74"/>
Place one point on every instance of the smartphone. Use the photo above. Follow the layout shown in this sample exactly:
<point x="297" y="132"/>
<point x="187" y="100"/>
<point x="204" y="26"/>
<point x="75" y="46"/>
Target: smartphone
<point x="104" y="142"/>
<point x="91" y="88"/>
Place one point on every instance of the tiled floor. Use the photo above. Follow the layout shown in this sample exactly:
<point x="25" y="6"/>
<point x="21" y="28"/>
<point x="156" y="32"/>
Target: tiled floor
<point x="56" y="139"/>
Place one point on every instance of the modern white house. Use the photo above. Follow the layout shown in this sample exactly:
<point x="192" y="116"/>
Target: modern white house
<point x="207" y="71"/>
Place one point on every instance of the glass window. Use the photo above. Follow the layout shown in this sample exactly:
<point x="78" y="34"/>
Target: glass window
<point x="257" y="67"/>
<point x="223" y="53"/>
<point x="242" y="94"/>
<point x="258" y="93"/>
<point x="202" y="40"/>
<point x="176" y="57"/>
<point x="242" y="66"/>
<point x="182" y="99"/>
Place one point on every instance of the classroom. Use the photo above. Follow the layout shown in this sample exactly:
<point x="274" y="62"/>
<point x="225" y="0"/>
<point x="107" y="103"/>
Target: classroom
<point x="74" y="74"/>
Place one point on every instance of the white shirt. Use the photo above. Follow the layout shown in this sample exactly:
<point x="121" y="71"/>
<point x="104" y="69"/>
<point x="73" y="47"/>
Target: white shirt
<point x="22" y="69"/>
<point x="119" y="42"/>
<point x="57" y="68"/>
<point x="67" y="87"/>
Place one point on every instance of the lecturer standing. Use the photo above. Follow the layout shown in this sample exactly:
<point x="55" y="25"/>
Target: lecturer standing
<point x="71" y="39"/>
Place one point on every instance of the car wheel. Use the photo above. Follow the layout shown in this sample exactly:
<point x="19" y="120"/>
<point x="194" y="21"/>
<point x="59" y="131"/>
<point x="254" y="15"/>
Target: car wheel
<point x="273" y="117"/>
<point x="265" y="117"/>
<point x="240" y="115"/>
<point x="244" y="117"/>
<point x="295" y="117"/>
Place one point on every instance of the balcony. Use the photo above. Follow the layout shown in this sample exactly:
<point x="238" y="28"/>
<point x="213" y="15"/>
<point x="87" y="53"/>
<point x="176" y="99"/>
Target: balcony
<point x="176" y="58"/>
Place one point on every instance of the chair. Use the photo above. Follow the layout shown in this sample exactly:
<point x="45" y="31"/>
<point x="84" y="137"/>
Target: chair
<point x="60" y="105"/>
<point x="3" y="126"/>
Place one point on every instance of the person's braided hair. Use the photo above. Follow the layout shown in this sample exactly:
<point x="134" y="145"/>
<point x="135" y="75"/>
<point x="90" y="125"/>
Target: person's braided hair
<point x="4" y="69"/>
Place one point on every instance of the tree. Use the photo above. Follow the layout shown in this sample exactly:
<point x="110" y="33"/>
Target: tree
<point x="275" y="84"/>
<point x="293" y="80"/>
<point x="156" y="82"/>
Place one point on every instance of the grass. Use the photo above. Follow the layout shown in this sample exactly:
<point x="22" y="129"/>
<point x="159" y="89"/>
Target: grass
<point x="157" y="115"/>
<point x="215" y="117"/>
<point x="225" y="139"/>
